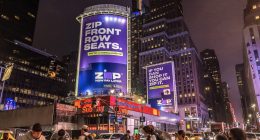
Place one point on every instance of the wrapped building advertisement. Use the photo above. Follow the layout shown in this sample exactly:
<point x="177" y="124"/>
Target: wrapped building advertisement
<point x="161" y="86"/>
<point x="103" y="55"/>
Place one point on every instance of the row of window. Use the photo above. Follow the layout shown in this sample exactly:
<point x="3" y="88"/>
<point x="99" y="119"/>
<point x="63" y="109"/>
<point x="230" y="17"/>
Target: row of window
<point x="31" y="92"/>
<point x="162" y="7"/>
<point x="16" y="17"/>
<point x="154" y="28"/>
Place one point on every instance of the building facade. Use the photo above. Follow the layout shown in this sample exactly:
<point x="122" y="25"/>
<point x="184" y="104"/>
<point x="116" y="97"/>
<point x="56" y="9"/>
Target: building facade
<point x="166" y="38"/>
<point x="211" y="63"/>
<point x="251" y="49"/>
<point x="242" y="86"/>
<point x="37" y="76"/>
<point x="17" y="19"/>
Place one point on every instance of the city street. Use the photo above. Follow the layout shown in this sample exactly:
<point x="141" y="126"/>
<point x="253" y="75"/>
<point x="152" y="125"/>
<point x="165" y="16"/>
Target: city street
<point x="129" y="70"/>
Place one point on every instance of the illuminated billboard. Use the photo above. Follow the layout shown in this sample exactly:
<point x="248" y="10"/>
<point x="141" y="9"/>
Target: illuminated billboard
<point x="161" y="85"/>
<point x="103" y="55"/>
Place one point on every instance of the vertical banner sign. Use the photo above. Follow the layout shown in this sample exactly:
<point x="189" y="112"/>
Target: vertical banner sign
<point x="103" y="55"/>
<point x="161" y="87"/>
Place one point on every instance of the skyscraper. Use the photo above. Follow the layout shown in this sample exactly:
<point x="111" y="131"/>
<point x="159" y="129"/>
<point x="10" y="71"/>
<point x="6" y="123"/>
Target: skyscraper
<point x="37" y="78"/>
<point x="251" y="51"/>
<point x="214" y="87"/>
<point x="136" y="34"/>
<point x="242" y="86"/>
<point x="166" y="38"/>
<point x="17" y="19"/>
<point x="211" y="63"/>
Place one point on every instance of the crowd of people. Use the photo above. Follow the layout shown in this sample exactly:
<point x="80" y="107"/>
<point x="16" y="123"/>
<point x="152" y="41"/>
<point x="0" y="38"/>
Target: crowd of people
<point x="149" y="132"/>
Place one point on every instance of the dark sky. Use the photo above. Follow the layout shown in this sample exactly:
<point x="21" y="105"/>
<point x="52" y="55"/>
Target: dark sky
<point x="214" y="24"/>
<point x="217" y="24"/>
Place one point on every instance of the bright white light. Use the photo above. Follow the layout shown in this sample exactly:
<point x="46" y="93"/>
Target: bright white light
<point x="163" y="118"/>
<point x="115" y="19"/>
<point x="123" y="20"/>
<point x="106" y="18"/>
<point x="111" y="18"/>
<point x="112" y="91"/>
<point x="88" y="93"/>
<point x="173" y="120"/>
<point x="121" y="94"/>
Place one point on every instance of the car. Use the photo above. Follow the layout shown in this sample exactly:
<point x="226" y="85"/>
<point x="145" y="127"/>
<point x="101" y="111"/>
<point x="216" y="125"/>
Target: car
<point x="110" y="136"/>
<point x="251" y="136"/>
<point x="10" y="134"/>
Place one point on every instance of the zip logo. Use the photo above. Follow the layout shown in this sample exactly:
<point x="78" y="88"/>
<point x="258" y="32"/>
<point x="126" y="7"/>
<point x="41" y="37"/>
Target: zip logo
<point x="105" y="76"/>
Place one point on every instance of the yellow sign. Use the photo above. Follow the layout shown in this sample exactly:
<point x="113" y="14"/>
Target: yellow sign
<point x="105" y="53"/>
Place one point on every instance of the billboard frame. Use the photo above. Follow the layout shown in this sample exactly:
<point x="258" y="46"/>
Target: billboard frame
<point x="175" y="104"/>
<point x="104" y="9"/>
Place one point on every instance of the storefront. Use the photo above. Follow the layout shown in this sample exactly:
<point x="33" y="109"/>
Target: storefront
<point x="115" y="114"/>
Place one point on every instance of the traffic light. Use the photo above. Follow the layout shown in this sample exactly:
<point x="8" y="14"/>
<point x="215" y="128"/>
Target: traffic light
<point x="142" y="119"/>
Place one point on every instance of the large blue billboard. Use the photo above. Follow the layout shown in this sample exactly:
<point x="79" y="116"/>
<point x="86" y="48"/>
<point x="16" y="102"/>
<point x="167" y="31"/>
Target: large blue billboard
<point x="161" y="86"/>
<point x="103" y="55"/>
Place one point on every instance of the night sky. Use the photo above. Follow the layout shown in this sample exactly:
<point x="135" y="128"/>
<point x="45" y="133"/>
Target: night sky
<point x="214" y="24"/>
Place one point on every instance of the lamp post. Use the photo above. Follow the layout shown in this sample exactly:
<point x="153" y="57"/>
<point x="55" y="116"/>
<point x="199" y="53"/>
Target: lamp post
<point x="253" y="106"/>
<point x="142" y="102"/>
<point x="114" y="92"/>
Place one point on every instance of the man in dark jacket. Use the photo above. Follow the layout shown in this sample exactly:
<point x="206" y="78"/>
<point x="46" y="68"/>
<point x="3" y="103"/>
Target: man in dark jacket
<point x="126" y="136"/>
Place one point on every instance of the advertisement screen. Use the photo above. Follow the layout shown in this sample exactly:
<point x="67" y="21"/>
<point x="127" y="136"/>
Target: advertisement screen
<point x="103" y="55"/>
<point x="161" y="87"/>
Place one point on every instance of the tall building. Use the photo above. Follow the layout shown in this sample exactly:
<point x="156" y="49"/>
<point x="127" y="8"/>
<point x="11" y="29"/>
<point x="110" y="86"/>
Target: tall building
<point x="166" y="38"/>
<point x="70" y="60"/>
<point x="229" y="110"/>
<point x="38" y="78"/>
<point x="251" y="51"/>
<point x="242" y="86"/>
<point x="17" y="19"/>
<point x="211" y="63"/>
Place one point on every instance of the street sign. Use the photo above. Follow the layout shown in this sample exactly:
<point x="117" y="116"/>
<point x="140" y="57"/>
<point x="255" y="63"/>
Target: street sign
<point x="142" y="119"/>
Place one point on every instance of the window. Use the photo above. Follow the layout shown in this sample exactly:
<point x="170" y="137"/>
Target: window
<point x="17" y="17"/>
<point x="30" y="14"/>
<point x="4" y="17"/>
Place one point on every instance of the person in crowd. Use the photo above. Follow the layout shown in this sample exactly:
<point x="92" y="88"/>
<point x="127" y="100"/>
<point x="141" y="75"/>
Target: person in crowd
<point x="181" y="135"/>
<point x="220" y="137"/>
<point x="126" y="136"/>
<point x="61" y="135"/>
<point x="237" y="134"/>
<point x="85" y="135"/>
<point x="5" y="136"/>
<point x="153" y="134"/>
<point x="34" y="134"/>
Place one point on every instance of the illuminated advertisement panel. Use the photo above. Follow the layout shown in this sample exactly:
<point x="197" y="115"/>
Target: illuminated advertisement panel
<point x="103" y="55"/>
<point x="161" y="86"/>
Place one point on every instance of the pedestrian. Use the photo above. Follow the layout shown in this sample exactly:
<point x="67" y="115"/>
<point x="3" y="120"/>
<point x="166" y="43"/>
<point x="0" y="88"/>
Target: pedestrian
<point x="61" y="135"/>
<point x="237" y="134"/>
<point x="181" y="135"/>
<point x="85" y="135"/>
<point x="152" y="134"/>
<point x="126" y="136"/>
<point x="34" y="134"/>
<point x="220" y="137"/>
<point x="6" y="137"/>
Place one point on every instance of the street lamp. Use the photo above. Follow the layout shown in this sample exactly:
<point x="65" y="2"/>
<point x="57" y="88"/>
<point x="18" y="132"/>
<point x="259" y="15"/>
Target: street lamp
<point x="113" y="91"/>
<point x="142" y="102"/>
